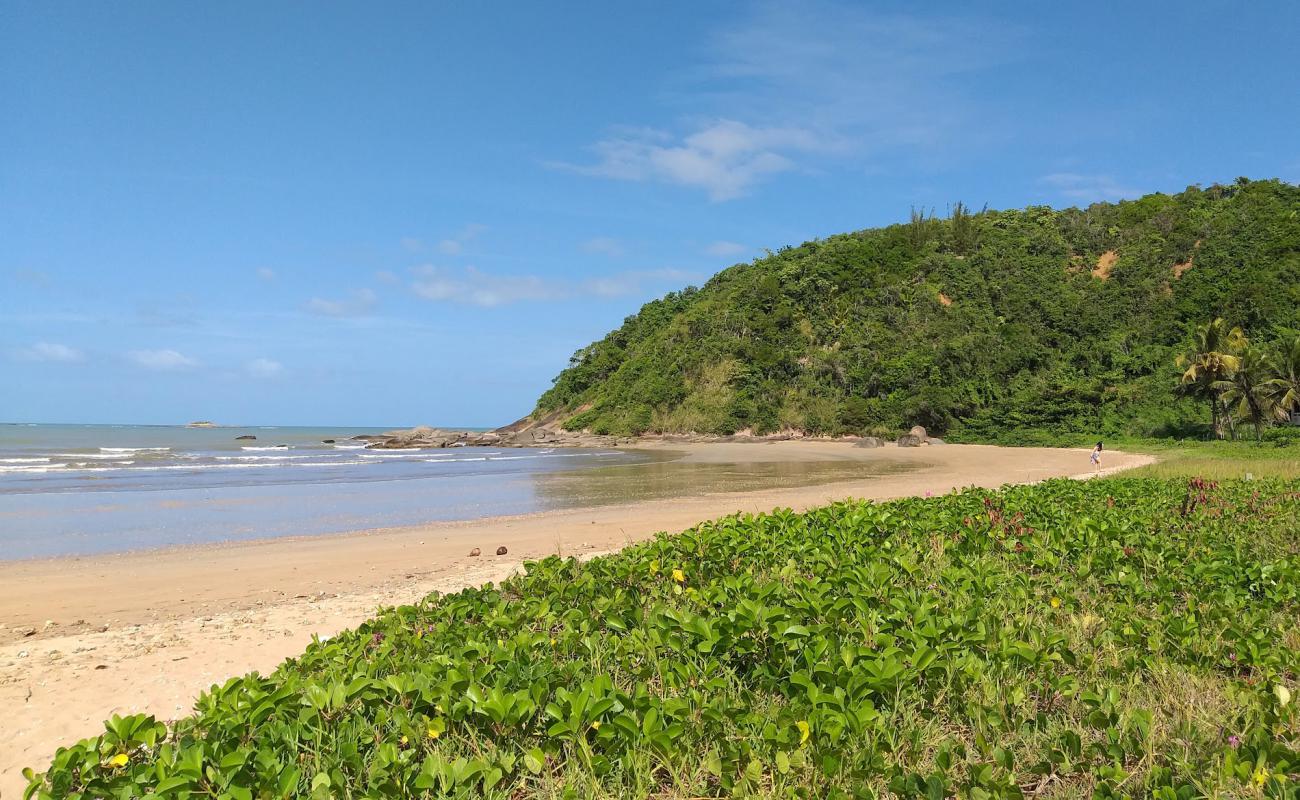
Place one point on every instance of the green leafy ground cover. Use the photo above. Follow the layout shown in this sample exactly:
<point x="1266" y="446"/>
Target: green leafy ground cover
<point x="1124" y="637"/>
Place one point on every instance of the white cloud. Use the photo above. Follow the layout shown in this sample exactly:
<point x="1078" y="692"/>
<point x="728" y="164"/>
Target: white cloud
<point x="625" y="283"/>
<point x="266" y="274"/>
<point x="795" y="87"/>
<point x="49" y="351"/>
<point x="604" y="245"/>
<point x="264" y="368"/>
<point x="1089" y="188"/>
<point x="359" y="303"/>
<point x="723" y="249"/>
<point x="161" y="359"/>
<point x="725" y="158"/>
<point x="387" y="276"/>
<point x="471" y="286"/>
<point x="453" y="245"/>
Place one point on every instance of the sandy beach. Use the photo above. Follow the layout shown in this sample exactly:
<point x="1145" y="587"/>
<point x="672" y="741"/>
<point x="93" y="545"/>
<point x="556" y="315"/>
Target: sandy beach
<point x="147" y="632"/>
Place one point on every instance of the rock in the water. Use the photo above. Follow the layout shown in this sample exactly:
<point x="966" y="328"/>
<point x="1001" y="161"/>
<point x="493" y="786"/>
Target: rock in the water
<point x="501" y="550"/>
<point x="909" y="440"/>
<point x="475" y="552"/>
<point x="248" y="437"/>
<point x="327" y="441"/>
<point x="868" y="441"/>
<point x="919" y="432"/>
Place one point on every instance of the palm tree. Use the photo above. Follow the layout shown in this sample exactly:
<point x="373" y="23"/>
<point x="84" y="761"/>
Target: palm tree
<point x="1283" y="388"/>
<point x="1247" y="388"/>
<point x="1212" y="360"/>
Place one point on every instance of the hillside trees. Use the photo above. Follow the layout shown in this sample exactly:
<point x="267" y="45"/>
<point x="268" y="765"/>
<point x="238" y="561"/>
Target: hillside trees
<point x="989" y="325"/>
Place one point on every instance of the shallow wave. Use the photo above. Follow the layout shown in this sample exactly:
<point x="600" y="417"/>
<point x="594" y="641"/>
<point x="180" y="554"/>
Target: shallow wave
<point x="44" y="459"/>
<point x="268" y="447"/>
<point x="260" y="458"/>
<point x="132" y="449"/>
<point x="96" y="456"/>
<point x="392" y="454"/>
<point x="350" y="446"/>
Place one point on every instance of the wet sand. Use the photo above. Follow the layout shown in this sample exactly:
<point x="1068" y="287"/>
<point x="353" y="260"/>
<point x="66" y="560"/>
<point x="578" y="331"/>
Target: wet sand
<point x="147" y="632"/>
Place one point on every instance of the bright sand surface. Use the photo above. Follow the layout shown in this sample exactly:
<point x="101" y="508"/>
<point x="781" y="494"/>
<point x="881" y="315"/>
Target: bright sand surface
<point x="149" y="631"/>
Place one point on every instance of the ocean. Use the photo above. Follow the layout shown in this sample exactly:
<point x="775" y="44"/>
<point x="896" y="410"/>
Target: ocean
<point x="87" y="489"/>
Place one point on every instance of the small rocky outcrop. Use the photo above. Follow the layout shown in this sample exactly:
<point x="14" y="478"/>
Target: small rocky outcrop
<point x="248" y="437"/>
<point x="869" y="441"/>
<point x="910" y="440"/>
<point x="919" y="432"/>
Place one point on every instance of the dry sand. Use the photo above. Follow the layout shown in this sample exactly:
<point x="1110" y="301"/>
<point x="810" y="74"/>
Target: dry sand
<point x="147" y="632"/>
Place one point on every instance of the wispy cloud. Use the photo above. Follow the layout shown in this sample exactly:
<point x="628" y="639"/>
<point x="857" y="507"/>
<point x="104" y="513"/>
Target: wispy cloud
<point x="605" y="246"/>
<point x="161" y="359"/>
<point x="455" y="244"/>
<point x="791" y="87"/>
<point x="265" y="274"/>
<point x="724" y="157"/>
<point x="1089" y="188"/>
<point x="724" y="249"/>
<point x="263" y="368"/>
<point x="472" y="286"/>
<point x="32" y="277"/>
<point x="358" y="303"/>
<point x="49" y="351"/>
<point x="625" y="283"/>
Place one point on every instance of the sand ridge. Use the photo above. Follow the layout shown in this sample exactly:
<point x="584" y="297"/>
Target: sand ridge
<point x="148" y="632"/>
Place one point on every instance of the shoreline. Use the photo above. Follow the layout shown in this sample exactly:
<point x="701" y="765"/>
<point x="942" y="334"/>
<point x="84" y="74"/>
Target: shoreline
<point x="148" y="631"/>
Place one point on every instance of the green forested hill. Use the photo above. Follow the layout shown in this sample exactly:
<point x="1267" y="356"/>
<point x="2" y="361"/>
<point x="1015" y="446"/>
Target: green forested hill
<point x="981" y="325"/>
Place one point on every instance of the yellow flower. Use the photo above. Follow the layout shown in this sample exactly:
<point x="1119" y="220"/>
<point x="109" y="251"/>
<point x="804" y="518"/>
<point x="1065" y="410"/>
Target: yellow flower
<point x="679" y="576"/>
<point x="119" y="760"/>
<point x="405" y="741"/>
<point x="804" y="732"/>
<point x="432" y="732"/>
<point x="554" y="641"/>
<point x="1056" y="602"/>
<point x="1261" y="777"/>
<point x="595" y="726"/>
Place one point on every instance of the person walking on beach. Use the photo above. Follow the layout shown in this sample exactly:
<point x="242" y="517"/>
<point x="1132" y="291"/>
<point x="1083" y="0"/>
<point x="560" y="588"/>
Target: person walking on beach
<point x="1096" y="457"/>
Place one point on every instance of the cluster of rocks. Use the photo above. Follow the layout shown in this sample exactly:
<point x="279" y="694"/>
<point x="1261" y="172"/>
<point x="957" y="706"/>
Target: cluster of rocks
<point x="916" y="437"/>
<point x="525" y="433"/>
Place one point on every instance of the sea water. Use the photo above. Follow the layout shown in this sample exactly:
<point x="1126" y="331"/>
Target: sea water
<point x="84" y="489"/>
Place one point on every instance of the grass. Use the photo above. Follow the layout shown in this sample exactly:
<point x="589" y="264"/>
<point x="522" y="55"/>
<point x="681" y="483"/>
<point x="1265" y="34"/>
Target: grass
<point x="1117" y="638"/>
<point x="1217" y="461"/>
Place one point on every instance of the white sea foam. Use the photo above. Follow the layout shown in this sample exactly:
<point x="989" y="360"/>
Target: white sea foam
<point x="261" y="458"/>
<point x="132" y="449"/>
<point x="44" y="459"/>
<point x="268" y="447"/>
<point x="96" y="456"/>
<point x="350" y="446"/>
<point x="395" y="454"/>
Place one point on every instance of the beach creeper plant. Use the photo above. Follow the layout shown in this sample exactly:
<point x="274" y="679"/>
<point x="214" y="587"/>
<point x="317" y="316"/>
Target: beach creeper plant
<point x="1115" y="638"/>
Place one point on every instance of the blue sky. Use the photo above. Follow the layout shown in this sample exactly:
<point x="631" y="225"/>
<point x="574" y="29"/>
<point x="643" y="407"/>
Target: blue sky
<point x="330" y="213"/>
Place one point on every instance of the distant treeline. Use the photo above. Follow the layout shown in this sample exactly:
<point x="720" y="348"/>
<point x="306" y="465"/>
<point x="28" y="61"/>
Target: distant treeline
<point x="981" y="325"/>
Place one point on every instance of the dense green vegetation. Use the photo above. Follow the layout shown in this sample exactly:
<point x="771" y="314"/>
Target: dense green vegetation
<point x="980" y="326"/>
<point x="1116" y="638"/>
<point x="1242" y="382"/>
